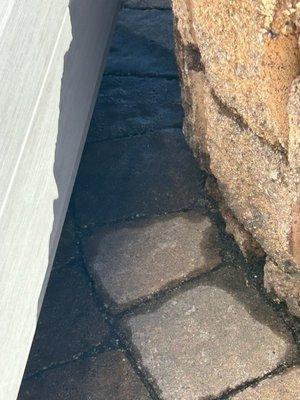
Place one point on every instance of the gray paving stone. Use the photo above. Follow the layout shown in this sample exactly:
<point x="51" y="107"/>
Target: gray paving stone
<point x="161" y="4"/>
<point x="67" y="248"/>
<point x="280" y="387"/>
<point x="69" y="322"/>
<point x="143" y="44"/>
<point x="128" y="106"/>
<point x="133" y="260"/>
<point x="107" y="376"/>
<point x="210" y="338"/>
<point x="144" y="175"/>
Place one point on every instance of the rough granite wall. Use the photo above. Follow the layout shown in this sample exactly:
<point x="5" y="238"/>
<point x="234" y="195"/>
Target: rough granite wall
<point x="239" y="63"/>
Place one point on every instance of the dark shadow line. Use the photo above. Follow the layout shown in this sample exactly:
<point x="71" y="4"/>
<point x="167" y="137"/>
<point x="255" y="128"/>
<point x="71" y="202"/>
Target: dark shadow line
<point x="137" y="74"/>
<point x="227" y="395"/>
<point x="128" y="7"/>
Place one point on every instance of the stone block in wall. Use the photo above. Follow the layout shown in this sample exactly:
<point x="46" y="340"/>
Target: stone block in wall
<point x="284" y="284"/>
<point x="250" y="248"/>
<point x="250" y="57"/>
<point x="239" y="63"/>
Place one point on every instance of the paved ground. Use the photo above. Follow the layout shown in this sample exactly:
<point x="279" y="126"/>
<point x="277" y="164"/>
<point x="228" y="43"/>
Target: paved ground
<point x="148" y="298"/>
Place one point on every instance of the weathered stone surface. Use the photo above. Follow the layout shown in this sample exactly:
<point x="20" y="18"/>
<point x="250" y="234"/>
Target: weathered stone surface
<point x="193" y="80"/>
<point x="284" y="284"/>
<point x="67" y="247"/>
<point x="129" y="106"/>
<point x="238" y="158"/>
<point x="239" y="65"/>
<point x="243" y="47"/>
<point x="248" y="245"/>
<point x="283" y="387"/>
<point x="160" y="4"/>
<point x="143" y="44"/>
<point x="106" y="376"/>
<point x="131" y="261"/>
<point x="69" y="322"/>
<point x="144" y="175"/>
<point x="213" y="337"/>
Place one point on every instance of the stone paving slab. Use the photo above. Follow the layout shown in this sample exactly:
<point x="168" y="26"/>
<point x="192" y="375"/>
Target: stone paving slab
<point x="143" y="44"/>
<point x="144" y="175"/>
<point x="67" y="248"/>
<point x="133" y="260"/>
<point x="209" y="339"/>
<point x="69" y="322"/>
<point x="107" y="376"/>
<point x="280" y="387"/>
<point x="160" y="4"/>
<point x="129" y="106"/>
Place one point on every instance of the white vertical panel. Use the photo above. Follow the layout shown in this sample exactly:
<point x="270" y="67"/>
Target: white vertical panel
<point x="57" y="115"/>
<point x="29" y="33"/>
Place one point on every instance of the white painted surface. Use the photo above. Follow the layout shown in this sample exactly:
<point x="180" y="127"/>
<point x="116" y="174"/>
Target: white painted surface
<point x="51" y="57"/>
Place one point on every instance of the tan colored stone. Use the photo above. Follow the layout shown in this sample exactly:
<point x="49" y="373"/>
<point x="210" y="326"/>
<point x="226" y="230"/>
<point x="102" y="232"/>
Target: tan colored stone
<point x="239" y="63"/>
<point x="255" y="180"/>
<point x="238" y="159"/>
<point x="192" y="79"/>
<point x="286" y="285"/>
<point x="242" y="51"/>
<point x="250" y="248"/>
<point x="280" y="387"/>
<point x="294" y="160"/>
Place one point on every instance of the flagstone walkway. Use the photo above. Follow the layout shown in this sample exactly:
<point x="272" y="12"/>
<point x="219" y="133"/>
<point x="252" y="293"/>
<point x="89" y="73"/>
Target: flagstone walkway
<point x="148" y="297"/>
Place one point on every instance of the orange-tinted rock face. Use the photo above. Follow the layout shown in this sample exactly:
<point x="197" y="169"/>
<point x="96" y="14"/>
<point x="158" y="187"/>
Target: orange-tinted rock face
<point x="239" y="65"/>
<point x="249" y="64"/>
